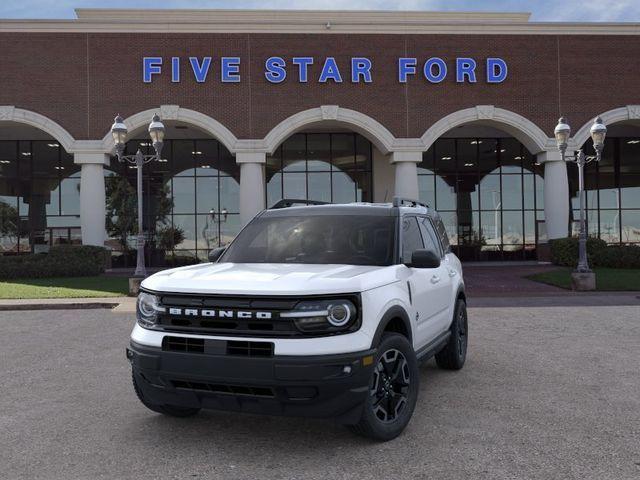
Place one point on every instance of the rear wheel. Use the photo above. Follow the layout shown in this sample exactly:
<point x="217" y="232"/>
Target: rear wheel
<point x="454" y="354"/>
<point x="170" y="410"/>
<point x="393" y="390"/>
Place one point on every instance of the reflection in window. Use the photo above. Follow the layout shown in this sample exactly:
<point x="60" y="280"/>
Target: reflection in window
<point x="489" y="192"/>
<point x="39" y="196"/>
<point x="328" y="167"/>
<point x="191" y="201"/>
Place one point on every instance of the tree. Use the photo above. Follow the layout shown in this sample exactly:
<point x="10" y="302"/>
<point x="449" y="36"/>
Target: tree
<point x="122" y="209"/>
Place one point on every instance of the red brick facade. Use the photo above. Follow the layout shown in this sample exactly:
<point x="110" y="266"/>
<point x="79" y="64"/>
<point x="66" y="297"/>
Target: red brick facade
<point x="80" y="80"/>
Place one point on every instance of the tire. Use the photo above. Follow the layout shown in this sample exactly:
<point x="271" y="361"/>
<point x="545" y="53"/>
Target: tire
<point x="170" y="410"/>
<point x="454" y="354"/>
<point x="393" y="390"/>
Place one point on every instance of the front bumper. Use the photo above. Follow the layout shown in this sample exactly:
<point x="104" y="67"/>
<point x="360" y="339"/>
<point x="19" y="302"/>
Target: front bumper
<point x="325" y="386"/>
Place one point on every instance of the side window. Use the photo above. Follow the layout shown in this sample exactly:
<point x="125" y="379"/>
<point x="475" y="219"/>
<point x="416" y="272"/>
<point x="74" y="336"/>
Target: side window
<point x="429" y="235"/>
<point x="442" y="233"/>
<point x="411" y="238"/>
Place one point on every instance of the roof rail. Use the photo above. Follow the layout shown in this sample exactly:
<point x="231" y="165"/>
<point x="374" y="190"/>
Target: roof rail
<point x="401" y="201"/>
<point x="292" y="202"/>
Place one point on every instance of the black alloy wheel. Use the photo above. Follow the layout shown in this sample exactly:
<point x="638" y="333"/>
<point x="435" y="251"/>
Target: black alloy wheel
<point x="390" y="388"/>
<point x="454" y="354"/>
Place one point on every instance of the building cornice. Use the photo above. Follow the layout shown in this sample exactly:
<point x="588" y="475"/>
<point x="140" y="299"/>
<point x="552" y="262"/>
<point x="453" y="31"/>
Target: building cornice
<point x="318" y="22"/>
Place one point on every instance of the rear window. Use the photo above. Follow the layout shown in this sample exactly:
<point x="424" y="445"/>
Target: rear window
<point x="442" y="233"/>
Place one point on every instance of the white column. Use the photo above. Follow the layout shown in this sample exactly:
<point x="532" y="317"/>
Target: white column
<point x="252" y="193"/>
<point x="556" y="194"/>
<point x="92" y="197"/>
<point x="406" y="166"/>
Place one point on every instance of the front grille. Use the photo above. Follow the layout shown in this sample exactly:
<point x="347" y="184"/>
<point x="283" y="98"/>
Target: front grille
<point x="265" y="392"/>
<point x="184" y="315"/>
<point x="183" y="344"/>
<point x="250" y="349"/>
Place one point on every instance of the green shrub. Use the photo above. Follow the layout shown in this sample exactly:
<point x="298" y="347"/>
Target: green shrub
<point x="61" y="261"/>
<point x="565" y="252"/>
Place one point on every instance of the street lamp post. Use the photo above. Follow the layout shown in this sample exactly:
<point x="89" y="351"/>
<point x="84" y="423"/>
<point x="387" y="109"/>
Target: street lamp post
<point x="598" y="132"/>
<point x="156" y="132"/>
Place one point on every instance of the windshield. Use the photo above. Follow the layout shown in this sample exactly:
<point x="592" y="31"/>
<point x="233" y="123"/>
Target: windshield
<point x="342" y="239"/>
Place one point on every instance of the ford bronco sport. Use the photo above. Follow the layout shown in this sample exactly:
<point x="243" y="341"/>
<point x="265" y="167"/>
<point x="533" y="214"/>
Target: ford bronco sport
<point x="312" y="310"/>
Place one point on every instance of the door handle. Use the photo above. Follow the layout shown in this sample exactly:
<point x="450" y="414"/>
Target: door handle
<point x="452" y="273"/>
<point x="435" y="279"/>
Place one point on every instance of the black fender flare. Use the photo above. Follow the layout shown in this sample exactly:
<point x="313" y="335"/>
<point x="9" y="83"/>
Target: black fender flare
<point x="394" y="312"/>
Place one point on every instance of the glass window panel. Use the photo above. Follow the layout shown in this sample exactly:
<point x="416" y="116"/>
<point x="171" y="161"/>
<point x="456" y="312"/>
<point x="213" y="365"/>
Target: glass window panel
<point x="228" y="165"/>
<point x="209" y="230"/>
<point x="343" y="151"/>
<point x="511" y="192"/>
<point x="426" y="189"/>
<point x="467" y="192"/>
<point x="630" y="190"/>
<point x="319" y="152"/>
<point x="487" y="156"/>
<point x="8" y="159"/>
<point x="512" y="232"/>
<point x="490" y="192"/>
<point x="9" y="221"/>
<point x="592" y="222"/>
<point x="511" y="155"/>
<point x="274" y="189"/>
<point x="67" y="167"/>
<point x="411" y="238"/>
<point x="320" y="186"/>
<point x="187" y="223"/>
<point x="630" y="226"/>
<point x="468" y="228"/>
<point x="45" y="159"/>
<point x="230" y="229"/>
<point x="490" y="223"/>
<point x="363" y="186"/>
<point x="629" y="155"/>
<point x="183" y="154"/>
<point x="530" y="227"/>
<point x="539" y="181"/>
<point x="344" y="187"/>
<point x="273" y="163"/>
<point x="529" y="192"/>
<point x="445" y="194"/>
<point x="44" y="196"/>
<point x="363" y="153"/>
<point x="294" y="185"/>
<point x="229" y="194"/>
<point x="427" y="164"/>
<point x="67" y="221"/>
<point x="445" y="156"/>
<point x="70" y="196"/>
<point x="467" y="154"/>
<point x="24" y="159"/>
<point x="294" y="153"/>
<point x="184" y="195"/>
<point x="207" y="194"/>
<point x="206" y="154"/>
<point x="610" y="226"/>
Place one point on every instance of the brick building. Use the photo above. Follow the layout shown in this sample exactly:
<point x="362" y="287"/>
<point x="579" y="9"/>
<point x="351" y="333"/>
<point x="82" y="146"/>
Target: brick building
<point x="457" y="109"/>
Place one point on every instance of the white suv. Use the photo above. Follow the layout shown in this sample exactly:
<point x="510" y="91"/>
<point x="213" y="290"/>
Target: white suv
<point x="313" y="310"/>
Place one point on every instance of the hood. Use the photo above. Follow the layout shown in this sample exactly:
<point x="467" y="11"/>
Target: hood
<point x="270" y="279"/>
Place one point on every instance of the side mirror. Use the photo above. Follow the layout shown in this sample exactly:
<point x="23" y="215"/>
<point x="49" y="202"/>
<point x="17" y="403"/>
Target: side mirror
<point x="423" y="258"/>
<point x="215" y="254"/>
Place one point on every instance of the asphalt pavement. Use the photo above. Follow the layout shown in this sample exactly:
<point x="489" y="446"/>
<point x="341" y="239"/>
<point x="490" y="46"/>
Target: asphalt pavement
<point x="547" y="393"/>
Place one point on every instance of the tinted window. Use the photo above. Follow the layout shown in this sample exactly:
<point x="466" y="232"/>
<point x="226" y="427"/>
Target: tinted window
<point x="318" y="239"/>
<point x="411" y="238"/>
<point x="442" y="234"/>
<point x="429" y="235"/>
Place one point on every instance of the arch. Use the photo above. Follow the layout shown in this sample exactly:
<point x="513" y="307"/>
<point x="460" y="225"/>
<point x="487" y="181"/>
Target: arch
<point x="9" y="113"/>
<point x="177" y="113"/>
<point x="621" y="114"/>
<point x="527" y="132"/>
<point x="382" y="138"/>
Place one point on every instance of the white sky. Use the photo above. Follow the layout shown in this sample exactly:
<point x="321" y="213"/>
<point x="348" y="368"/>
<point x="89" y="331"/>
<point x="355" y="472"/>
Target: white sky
<point x="542" y="10"/>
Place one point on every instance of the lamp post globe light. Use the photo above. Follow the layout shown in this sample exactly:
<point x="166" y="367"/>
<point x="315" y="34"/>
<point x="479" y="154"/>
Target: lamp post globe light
<point x="119" y="133"/>
<point x="583" y="278"/>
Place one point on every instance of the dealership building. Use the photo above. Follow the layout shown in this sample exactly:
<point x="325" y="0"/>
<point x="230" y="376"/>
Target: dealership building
<point x="455" y="109"/>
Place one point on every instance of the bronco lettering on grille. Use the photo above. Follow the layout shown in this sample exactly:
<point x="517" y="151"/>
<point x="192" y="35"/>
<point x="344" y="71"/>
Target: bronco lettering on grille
<point x="209" y="313"/>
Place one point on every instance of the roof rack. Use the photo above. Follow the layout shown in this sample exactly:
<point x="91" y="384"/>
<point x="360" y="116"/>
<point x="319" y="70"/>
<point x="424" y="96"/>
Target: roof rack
<point x="292" y="202"/>
<point x="401" y="201"/>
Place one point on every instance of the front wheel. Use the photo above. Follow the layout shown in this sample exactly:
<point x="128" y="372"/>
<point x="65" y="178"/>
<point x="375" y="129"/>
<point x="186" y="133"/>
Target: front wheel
<point x="393" y="390"/>
<point x="454" y="354"/>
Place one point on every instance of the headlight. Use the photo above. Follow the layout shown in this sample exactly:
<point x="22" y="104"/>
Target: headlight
<point x="147" y="308"/>
<point x="323" y="316"/>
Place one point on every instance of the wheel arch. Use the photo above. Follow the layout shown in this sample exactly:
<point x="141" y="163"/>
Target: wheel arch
<point x="396" y="319"/>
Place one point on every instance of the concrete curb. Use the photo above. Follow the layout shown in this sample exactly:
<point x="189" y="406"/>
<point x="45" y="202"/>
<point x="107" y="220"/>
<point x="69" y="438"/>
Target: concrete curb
<point x="57" y="306"/>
